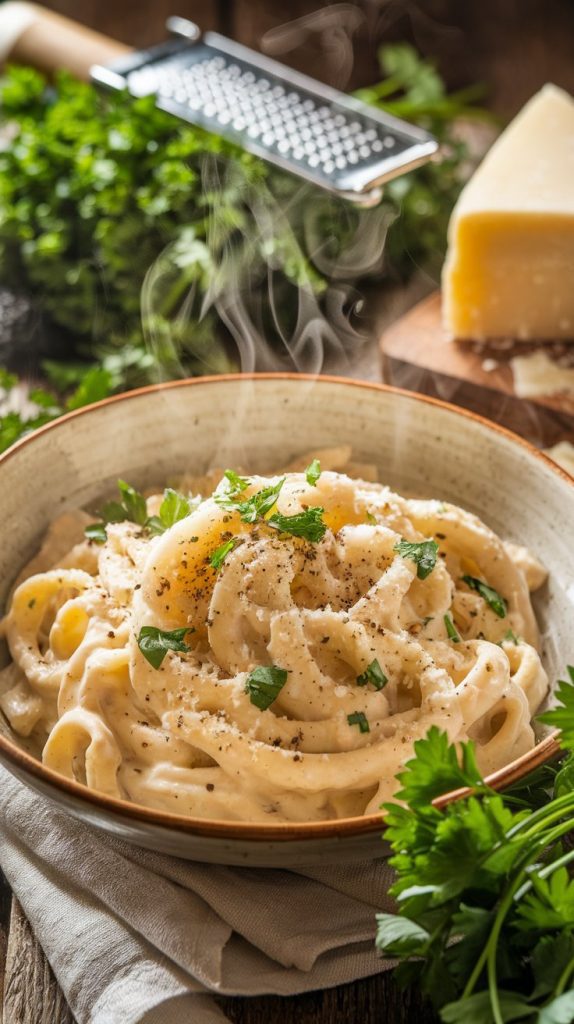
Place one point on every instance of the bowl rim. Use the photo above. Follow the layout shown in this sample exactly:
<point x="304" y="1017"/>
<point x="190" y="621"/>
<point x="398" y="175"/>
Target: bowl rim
<point x="215" y="828"/>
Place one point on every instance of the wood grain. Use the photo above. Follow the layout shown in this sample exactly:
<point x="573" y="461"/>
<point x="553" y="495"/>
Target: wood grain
<point x="418" y="356"/>
<point x="31" y="993"/>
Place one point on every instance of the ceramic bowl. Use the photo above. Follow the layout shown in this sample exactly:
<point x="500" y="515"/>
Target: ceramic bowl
<point x="420" y="446"/>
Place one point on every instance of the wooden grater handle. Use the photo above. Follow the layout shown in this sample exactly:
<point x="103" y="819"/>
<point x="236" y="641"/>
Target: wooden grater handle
<point x="30" y="34"/>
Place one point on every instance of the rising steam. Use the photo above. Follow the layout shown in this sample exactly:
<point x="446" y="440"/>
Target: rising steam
<point x="281" y="280"/>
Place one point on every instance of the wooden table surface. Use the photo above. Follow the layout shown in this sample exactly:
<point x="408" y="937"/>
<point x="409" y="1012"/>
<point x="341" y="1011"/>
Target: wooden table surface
<point x="29" y="993"/>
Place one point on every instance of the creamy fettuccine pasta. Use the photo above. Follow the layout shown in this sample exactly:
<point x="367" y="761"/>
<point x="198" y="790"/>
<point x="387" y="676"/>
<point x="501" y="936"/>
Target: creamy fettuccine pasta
<point x="268" y="649"/>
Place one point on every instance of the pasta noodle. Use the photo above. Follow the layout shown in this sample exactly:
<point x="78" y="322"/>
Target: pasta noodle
<point x="273" y="652"/>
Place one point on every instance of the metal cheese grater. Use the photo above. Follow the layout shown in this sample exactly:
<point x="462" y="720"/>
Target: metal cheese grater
<point x="287" y="118"/>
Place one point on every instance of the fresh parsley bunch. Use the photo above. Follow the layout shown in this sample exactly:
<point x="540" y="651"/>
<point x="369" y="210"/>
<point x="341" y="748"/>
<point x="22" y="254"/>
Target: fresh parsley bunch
<point x="93" y="188"/>
<point x="484" y="887"/>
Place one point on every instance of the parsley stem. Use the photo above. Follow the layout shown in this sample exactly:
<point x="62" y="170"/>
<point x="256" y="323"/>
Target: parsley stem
<point x="559" y="807"/>
<point x="488" y="956"/>
<point x="563" y="979"/>
<point x="549" y="869"/>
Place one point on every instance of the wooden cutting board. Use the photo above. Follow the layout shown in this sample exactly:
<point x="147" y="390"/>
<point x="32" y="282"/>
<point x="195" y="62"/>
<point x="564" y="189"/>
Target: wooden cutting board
<point x="418" y="356"/>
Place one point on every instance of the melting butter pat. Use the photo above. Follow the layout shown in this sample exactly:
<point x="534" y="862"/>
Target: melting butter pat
<point x="509" y="271"/>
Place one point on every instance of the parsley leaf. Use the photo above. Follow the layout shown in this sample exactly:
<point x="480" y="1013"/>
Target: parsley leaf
<point x="398" y="935"/>
<point x="236" y="483"/>
<point x="134" y="503"/>
<point x="217" y="558"/>
<point x="437" y="768"/>
<point x="308" y="524"/>
<point x="175" y="506"/>
<point x="450" y="629"/>
<point x="132" y="506"/>
<point x="484" y="885"/>
<point x="423" y="553"/>
<point x="562" y="717"/>
<point x="477" y="1009"/>
<point x="489" y="594"/>
<point x="359" y="718"/>
<point x="154" y="643"/>
<point x="373" y="674"/>
<point x="313" y="472"/>
<point x="253" y="508"/>
<point x="96" y="532"/>
<point x="511" y="636"/>
<point x="264" y="684"/>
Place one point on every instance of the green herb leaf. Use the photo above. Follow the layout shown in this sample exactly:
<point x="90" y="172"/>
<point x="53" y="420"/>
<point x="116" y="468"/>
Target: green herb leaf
<point x="95" y="385"/>
<point x="489" y="594"/>
<point x="359" y="718"/>
<point x="423" y="553"/>
<point x="175" y="506"/>
<point x="313" y="472"/>
<point x="217" y="558"/>
<point x="450" y="629"/>
<point x="257" y="506"/>
<point x="373" y="674"/>
<point x="308" y="524"/>
<point x="264" y="684"/>
<point x="562" y="717"/>
<point x="398" y="936"/>
<point x="96" y="532"/>
<point x="559" y="1011"/>
<point x="477" y="1009"/>
<point x="236" y="483"/>
<point x="154" y="643"/>
<point x="7" y="380"/>
<point x="134" y="503"/>
<point x="437" y="768"/>
<point x="511" y="637"/>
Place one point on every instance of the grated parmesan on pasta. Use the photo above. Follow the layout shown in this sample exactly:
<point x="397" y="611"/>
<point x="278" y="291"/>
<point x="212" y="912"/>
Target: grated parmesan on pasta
<point x="187" y="737"/>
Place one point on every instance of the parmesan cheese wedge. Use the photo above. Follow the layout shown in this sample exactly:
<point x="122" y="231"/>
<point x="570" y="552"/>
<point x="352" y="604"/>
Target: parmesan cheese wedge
<point x="509" y="271"/>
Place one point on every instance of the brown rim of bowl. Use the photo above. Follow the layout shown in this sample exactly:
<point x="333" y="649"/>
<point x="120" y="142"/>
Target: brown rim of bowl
<point x="286" y="831"/>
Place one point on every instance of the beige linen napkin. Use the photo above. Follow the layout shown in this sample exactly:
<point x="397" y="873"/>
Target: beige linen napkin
<point x="136" y="937"/>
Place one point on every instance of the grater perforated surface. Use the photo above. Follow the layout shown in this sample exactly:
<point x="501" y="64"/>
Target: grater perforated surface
<point x="307" y="128"/>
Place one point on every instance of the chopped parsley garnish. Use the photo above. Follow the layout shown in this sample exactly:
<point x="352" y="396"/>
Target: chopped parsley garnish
<point x="132" y="506"/>
<point x="373" y="674"/>
<point x="96" y="532"/>
<point x="253" y="508"/>
<point x="313" y="472"/>
<point x="264" y="684"/>
<point x="451" y="631"/>
<point x="360" y="719"/>
<point x="308" y="524"/>
<point x="154" y="643"/>
<point x="371" y="519"/>
<point x="423" y="553"/>
<point x="511" y="636"/>
<point x="217" y="558"/>
<point x="236" y="483"/>
<point x="175" y="506"/>
<point x="489" y="594"/>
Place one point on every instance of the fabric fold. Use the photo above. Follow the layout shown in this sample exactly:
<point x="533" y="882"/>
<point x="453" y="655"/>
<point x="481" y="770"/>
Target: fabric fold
<point x="136" y="937"/>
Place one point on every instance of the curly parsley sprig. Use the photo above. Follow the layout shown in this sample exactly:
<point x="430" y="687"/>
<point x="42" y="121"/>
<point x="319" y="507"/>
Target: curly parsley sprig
<point x="486" y="899"/>
<point x="308" y="524"/>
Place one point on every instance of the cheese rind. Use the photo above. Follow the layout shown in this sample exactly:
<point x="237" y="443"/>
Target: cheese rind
<point x="509" y="270"/>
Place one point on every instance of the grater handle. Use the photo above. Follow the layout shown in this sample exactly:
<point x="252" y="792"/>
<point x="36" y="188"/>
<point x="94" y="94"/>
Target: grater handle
<point x="184" y="28"/>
